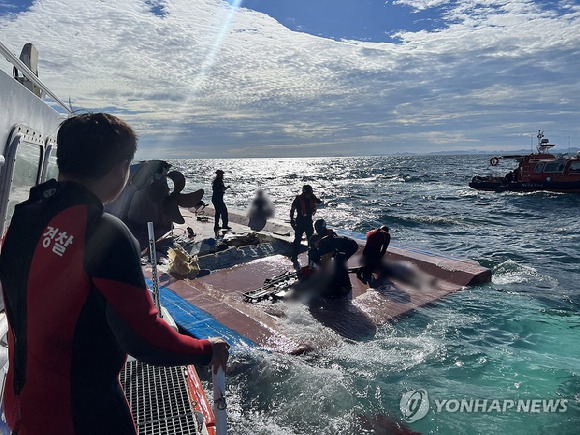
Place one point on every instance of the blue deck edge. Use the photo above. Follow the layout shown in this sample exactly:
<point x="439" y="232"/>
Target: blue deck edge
<point x="196" y="321"/>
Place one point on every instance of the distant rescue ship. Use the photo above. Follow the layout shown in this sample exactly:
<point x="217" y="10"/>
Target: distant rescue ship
<point x="536" y="171"/>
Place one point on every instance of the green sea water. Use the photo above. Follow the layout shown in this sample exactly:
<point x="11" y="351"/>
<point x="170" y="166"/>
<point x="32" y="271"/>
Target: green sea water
<point x="512" y="340"/>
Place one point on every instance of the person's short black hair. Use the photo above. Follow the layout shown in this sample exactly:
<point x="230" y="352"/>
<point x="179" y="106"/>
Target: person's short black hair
<point x="320" y="226"/>
<point x="91" y="144"/>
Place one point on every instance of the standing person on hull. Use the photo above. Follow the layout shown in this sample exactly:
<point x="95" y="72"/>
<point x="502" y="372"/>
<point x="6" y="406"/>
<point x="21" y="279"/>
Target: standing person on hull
<point x="378" y="241"/>
<point x="217" y="199"/>
<point x="75" y="295"/>
<point x="304" y="206"/>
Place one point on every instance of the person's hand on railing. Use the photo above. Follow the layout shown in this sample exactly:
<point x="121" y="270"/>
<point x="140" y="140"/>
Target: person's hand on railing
<point x="221" y="353"/>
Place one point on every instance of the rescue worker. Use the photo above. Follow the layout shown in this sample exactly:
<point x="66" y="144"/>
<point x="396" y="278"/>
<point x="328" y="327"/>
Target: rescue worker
<point x="377" y="242"/>
<point x="75" y="295"/>
<point x="217" y="199"/>
<point x="328" y="248"/>
<point x="304" y="207"/>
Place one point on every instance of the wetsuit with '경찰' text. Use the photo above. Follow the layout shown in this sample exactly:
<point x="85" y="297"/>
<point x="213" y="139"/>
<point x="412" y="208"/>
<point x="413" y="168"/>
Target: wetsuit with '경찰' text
<point x="77" y="303"/>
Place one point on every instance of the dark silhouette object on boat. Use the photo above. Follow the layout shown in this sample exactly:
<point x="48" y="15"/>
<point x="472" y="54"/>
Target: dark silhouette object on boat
<point x="148" y="198"/>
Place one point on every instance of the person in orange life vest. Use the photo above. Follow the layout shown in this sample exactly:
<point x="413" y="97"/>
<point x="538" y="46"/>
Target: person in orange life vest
<point x="304" y="206"/>
<point x="375" y="248"/>
<point x="326" y="245"/>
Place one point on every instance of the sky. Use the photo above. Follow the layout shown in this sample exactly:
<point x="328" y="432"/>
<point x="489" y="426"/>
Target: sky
<point x="305" y="78"/>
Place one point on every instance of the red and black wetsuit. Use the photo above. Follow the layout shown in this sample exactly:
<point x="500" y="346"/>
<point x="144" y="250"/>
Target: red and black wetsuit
<point x="377" y="243"/>
<point x="375" y="248"/>
<point x="77" y="303"/>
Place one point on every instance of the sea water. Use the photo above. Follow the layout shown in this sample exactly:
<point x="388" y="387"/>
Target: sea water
<point x="497" y="358"/>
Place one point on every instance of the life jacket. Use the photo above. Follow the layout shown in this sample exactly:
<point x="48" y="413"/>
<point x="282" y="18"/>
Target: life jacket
<point x="302" y="211"/>
<point x="377" y="238"/>
<point x="314" y="253"/>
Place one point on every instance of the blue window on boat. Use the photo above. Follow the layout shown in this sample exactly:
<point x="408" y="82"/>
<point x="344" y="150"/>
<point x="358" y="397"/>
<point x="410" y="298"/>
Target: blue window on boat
<point x="575" y="167"/>
<point x="554" y="167"/>
<point x="539" y="168"/>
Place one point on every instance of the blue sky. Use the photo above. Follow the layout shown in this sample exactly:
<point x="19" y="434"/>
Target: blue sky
<point x="271" y="78"/>
<point x="361" y="20"/>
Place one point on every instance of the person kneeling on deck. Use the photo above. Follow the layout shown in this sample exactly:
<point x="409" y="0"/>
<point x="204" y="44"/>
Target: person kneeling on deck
<point x="378" y="241"/>
<point x="326" y="245"/>
<point x="75" y="295"/>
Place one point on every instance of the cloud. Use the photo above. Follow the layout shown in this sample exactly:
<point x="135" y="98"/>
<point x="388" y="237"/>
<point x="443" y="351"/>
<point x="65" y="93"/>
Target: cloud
<point x="201" y="78"/>
<point x="421" y="5"/>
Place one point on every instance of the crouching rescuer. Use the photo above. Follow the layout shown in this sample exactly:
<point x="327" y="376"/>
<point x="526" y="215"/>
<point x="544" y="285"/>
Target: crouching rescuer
<point x="330" y="252"/>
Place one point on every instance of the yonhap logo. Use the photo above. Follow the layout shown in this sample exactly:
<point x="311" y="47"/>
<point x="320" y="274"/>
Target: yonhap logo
<point x="414" y="405"/>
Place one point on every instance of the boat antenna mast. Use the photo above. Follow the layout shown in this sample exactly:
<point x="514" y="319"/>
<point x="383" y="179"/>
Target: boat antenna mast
<point x="543" y="144"/>
<point x="30" y="76"/>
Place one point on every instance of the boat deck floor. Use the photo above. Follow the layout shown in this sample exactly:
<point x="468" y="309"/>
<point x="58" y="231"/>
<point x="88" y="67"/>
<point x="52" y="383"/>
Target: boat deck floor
<point x="214" y="305"/>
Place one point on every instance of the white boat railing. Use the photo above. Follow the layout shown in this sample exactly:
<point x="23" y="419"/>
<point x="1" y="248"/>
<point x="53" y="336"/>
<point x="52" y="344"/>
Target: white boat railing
<point x="21" y="66"/>
<point x="153" y="259"/>
<point x="219" y="401"/>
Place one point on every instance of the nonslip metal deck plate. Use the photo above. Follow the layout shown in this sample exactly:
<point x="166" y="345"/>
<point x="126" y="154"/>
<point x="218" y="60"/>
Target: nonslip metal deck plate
<point x="158" y="399"/>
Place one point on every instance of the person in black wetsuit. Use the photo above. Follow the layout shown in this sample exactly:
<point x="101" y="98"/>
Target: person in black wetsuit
<point x="304" y="207"/>
<point x="326" y="245"/>
<point x="75" y="295"/>
<point x="217" y="199"/>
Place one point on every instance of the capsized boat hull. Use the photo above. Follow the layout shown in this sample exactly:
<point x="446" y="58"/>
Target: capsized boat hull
<point x="214" y="305"/>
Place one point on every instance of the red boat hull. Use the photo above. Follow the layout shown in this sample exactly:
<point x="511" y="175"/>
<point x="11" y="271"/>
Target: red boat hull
<point x="535" y="172"/>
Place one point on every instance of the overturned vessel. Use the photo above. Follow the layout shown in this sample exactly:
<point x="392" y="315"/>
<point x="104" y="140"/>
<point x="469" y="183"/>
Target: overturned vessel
<point x="536" y="171"/>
